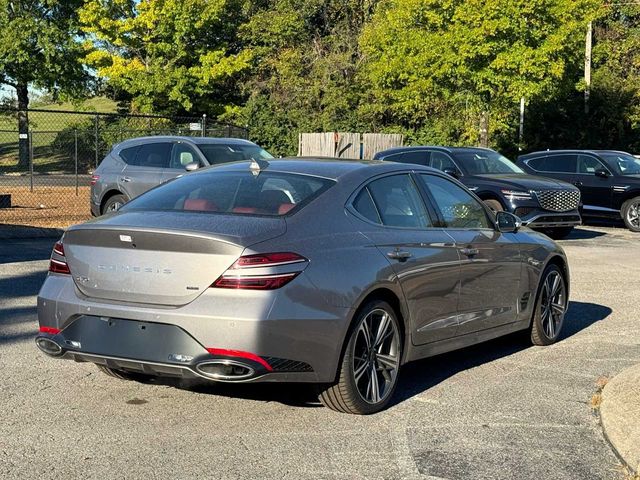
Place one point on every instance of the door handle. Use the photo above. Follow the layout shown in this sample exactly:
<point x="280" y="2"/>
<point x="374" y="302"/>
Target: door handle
<point x="399" y="255"/>
<point x="469" y="252"/>
<point x="577" y="183"/>
<point x="125" y="179"/>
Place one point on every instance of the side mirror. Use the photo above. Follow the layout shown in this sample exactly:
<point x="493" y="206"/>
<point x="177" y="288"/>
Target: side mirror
<point x="191" y="166"/>
<point x="452" y="172"/>
<point x="508" y="222"/>
<point x="602" y="173"/>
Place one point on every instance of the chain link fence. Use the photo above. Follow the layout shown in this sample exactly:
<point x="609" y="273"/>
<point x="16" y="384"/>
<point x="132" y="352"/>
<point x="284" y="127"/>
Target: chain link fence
<point x="47" y="156"/>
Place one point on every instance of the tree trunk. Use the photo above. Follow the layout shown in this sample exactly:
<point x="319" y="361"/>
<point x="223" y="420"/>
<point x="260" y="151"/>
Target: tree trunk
<point x="23" y="125"/>
<point x="484" y="129"/>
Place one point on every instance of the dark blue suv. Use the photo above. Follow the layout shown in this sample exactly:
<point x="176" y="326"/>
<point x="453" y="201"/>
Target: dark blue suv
<point x="542" y="203"/>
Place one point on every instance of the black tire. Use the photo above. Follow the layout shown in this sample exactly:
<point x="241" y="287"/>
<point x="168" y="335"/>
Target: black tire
<point x="122" y="375"/>
<point x="631" y="214"/>
<point x="559" y="233"/>
<point x="349" y="393"/>
<point x="113" y="203"/>
<point x="548" y="317"/>
<point x="494" y="205"/>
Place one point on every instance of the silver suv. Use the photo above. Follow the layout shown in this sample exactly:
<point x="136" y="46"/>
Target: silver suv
<point x="134" y="166"/>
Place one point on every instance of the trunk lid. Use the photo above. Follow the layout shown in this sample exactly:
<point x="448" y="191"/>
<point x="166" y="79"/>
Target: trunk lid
<point x="159" y="258"/>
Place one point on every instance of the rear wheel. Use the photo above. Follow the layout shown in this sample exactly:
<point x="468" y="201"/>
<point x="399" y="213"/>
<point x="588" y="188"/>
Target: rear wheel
<point x="122" y="375"/>
<point x="494" y="205"/>
<point x="559" y="233"/>
<point x="550" y="307"/>
<point x="114" y="203"/>
<point x="631" y="214"/>
<point x="368" y="373"/>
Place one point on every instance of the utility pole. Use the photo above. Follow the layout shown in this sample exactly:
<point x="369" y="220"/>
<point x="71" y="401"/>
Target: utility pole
<point x="521" y="131"/>
<point x="587" y="66"/>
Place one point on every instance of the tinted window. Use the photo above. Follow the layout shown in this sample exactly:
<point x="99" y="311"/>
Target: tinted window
<point x="129" y="154"/>
<point x="479" y="162"/>
<point x="241" y="193"/>
<point x="418" y="158"/>
<point x="182" y="155"/>
<point x="554" y="163"/>
<point x="396" y="157"/>
<point x="588" y="164"/>
<point x="216" y="153"/>
<point x="398" y="202"/>
<point x="457" y="207"/>
<point x="365" y="207"/>
<point x="154" y="155"/>
<point x="624" y="163"/>
<point x="441" y="161"/>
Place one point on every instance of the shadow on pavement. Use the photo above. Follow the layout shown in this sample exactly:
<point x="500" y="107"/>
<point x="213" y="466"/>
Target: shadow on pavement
<point x="25" y="250"/>
<point x="583" y="234"/>
<point x="416" y="377"/>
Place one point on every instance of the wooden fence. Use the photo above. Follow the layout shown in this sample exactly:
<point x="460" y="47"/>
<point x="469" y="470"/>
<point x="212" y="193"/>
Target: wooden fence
<point x="346" y="145"/>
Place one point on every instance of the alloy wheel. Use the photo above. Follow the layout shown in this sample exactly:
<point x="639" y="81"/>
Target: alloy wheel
<point x="114" y="207"/>
<point x="553" y="304"/>
<point x="633" y="214"/>
<point x="376" y="356"/>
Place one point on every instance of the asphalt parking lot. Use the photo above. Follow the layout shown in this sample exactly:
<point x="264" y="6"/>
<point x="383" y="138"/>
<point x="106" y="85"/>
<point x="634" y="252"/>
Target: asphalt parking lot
<point x="503" y="409"/>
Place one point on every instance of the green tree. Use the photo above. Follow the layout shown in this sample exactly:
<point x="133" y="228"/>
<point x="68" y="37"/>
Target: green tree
<point x="39" y="48"/>
<point x="304" y="76"/>
<point x="425" y="58"/>
<point x="169" y="56"/>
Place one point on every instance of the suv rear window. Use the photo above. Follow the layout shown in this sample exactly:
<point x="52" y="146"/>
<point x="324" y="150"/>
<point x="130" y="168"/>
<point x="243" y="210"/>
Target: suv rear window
<point x="240" y="193"/>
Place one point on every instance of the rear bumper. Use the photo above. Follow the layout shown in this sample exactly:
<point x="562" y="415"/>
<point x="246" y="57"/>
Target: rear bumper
<point x="301" y="341"/>
<point x="95" y="209"/>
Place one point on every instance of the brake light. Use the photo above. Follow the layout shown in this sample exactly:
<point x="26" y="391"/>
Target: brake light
<point x="94" y="179"/>
<point x="49" y="330"/>
<point x="59" y="265"/>
<point x="242" y="274"/>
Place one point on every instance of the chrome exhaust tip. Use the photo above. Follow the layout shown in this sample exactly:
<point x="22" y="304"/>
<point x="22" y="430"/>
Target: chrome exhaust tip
<point x="226" y="370"/>
<point x="48" y="346"/>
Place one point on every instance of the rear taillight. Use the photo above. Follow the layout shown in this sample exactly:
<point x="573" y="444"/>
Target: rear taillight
<point x="58" y="262"/>
<point x="50" y="330"/>
<point x="246" y="272"/>
<point x="94" y="179"/>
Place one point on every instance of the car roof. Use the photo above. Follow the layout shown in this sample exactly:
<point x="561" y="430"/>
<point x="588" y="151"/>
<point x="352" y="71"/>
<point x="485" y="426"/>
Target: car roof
<point x="569" y="151"/>
<point x="441" y="148"/>
<point x="196" y="140"/>
<point x="331" y="168"/>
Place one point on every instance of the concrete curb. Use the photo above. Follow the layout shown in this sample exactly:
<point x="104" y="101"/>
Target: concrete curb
<point x="23" y="231"/>
<point x="620" y="416"/>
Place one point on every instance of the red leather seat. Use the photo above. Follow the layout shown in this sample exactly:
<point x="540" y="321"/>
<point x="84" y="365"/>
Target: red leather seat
<point x="200" y="204"/>
<point x="285" y="207"/>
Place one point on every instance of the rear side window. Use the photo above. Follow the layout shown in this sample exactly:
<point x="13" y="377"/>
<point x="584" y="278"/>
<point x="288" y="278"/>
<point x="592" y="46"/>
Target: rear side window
<point x="129" y="154"/>
<point x="441" y="161"/>
<point x="216" y="153"/>
<point x="418" y="158"/>
<point x="554" y="163"/>
<point x="364" y="206"/>
<point x="241" y="193"/>
<point x="588" y="165"/>
<point x="154" y="155"/>
<point x="398" y="202"/>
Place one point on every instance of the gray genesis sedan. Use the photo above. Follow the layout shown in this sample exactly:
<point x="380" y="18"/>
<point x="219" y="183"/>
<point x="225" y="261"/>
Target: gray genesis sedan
<point x="298" y="270"/>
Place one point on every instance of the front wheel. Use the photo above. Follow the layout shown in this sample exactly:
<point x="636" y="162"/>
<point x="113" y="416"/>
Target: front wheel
<point x="631" y="214"/>
<point x="368" y="373"/>
<point x="551" y="305"/>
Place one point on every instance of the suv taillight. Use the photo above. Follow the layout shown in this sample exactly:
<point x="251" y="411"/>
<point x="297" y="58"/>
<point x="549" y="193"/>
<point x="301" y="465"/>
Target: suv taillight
<point x="94" y="179"/>
<point x="246" y="272"/>
<point x="58" y="262"/>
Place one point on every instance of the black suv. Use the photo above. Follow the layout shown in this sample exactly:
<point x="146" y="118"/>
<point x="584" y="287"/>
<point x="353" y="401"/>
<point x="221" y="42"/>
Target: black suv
<point x="541" y="203"/>
<point x="608" y="180"/>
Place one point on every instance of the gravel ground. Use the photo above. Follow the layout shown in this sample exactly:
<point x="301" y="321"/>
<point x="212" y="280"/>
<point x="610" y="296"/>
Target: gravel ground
<point x="502" y="409"/>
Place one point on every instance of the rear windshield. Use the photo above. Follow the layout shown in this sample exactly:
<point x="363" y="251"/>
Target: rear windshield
<point x="216" y="153"/>
<point x="240" y="193"/>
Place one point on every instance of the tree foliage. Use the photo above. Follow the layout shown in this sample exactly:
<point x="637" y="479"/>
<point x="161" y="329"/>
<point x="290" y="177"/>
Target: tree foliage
<point x="169" y="56"/>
